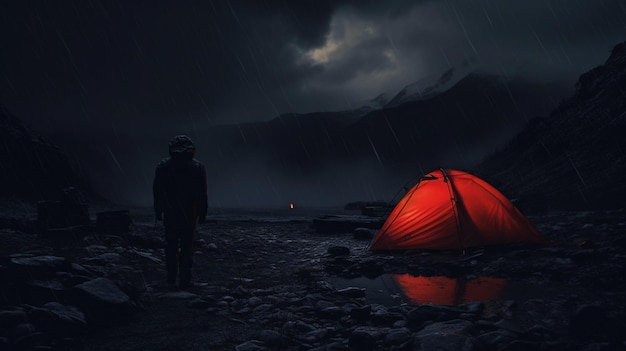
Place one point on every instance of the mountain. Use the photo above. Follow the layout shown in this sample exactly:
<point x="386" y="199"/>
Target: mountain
<point x="376" y="103"/>
<point x="478" y="113"/>
<point x="426" y="88"/>
<point x="576" y="157"/>
<point x="31" y="166"/>
<point x="369" y="157"/>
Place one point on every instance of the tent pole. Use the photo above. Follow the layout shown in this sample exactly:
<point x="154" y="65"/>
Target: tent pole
<point x="454" y="199"/>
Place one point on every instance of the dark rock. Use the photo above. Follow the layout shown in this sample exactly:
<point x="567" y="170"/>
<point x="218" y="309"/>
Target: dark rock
<point x="41" y="291"/>
<point x="351" y="292"/>
<point x="363" y="233"/>
<point x="69" y="232"/>
<point x="297" y="327"/>
<point x="22" y="330"/>
<point x="475" y="307"/>
<point x="363" y="339"/>
<point x="371" y="268"/>
<point x="254" y="301"/>
<point x="80" y="270"/>
<point x="32" y="339"/>
<point x="272" y="338"/>
<point x="453" y="327"/>
<point x="200" y="303"/>
<point x="385" y="318"/>
<point x="361" y="314"/>
<point x="332" y="313"/>
<point x="494" y="338"/>
<point x="539" y="333"/>
<point x="338" y="251"/>
<point x="240" y="291"/>
<point x="141" y="239"/>
<point x="38" y="267"/>
<point x="262" y="308"/>
<point x="588" y="320"/>
<point x="102" y="299"/>
<point x="586" y="256"/>
<point x="328" y="310"/>
<point x="251" y="345"/>
<point x="397" y="337"/>
<point x="433" y="313"/>
<point x="510" y="325"/>
<point x="58" y="319"/>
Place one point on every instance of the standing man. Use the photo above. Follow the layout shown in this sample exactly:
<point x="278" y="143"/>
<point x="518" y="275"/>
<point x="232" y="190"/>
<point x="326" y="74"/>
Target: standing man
<point x="180" y="201"/>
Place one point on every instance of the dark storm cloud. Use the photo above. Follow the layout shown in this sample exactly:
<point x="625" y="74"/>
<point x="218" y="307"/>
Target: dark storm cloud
<point x="218" y="61"/>
<point x="116" y="79"/>
<point x="551" y="41"/>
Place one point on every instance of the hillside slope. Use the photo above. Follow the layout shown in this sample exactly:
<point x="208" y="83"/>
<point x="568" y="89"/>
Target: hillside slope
<point x="576" y="157"/>
<point x="30" y="166"/>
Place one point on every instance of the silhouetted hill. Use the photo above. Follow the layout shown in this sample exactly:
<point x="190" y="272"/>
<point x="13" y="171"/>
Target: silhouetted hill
<point x="576" y="157"/>
<point x="475" y="116"/>
<point x="31" y="166"/>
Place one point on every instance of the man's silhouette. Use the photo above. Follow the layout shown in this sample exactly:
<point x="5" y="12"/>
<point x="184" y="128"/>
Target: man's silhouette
<point x="180" y="200"/>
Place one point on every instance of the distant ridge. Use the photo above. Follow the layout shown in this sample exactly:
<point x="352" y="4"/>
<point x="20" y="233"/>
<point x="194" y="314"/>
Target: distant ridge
<point x="368" y="156"/>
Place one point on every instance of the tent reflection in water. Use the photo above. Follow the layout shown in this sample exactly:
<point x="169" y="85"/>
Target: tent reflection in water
<point x="449" y="291"/>
<point x="452" y="209"/>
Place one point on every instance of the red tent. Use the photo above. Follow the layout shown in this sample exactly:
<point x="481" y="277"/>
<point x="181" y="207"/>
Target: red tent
<point x="451" y="209"/>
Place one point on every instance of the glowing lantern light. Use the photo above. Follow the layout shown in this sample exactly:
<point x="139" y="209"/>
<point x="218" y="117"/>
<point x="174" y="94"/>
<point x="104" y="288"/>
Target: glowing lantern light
<point x="291" y="205"/>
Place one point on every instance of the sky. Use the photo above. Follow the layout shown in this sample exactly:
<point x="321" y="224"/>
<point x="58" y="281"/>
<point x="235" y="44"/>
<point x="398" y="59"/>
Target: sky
<point x="96" y="70"/>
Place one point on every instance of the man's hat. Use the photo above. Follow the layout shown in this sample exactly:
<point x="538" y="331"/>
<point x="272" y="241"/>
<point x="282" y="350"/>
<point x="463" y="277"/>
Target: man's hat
<point x="180" y="144"/>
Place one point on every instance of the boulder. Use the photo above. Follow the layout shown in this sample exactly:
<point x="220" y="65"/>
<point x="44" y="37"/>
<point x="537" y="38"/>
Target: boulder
<point x="38" y="267"/>
<point x="338" y="251"/>
<point x="102" y="300"/>
<point x="42" y="291"/>
<point x="363" y="339"/>
<point x="363" y="233"/>
<point x="58" y="319"/>
<point x="351" y="292"/>
<point x="113" y="221"/>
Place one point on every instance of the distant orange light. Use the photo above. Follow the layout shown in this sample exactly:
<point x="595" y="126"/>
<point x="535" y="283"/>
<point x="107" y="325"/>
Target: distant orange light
<point x="291" y="205"/>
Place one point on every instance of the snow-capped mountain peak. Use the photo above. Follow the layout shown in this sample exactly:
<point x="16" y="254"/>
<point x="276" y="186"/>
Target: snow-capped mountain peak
<point x="430" y="86"/>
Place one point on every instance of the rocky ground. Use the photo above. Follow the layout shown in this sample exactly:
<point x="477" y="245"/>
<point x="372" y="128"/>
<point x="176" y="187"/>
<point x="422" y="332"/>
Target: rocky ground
<point x="272" y="283"/>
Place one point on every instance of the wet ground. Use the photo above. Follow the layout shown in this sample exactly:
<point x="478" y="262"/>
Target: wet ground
<point x="267" y="280"/>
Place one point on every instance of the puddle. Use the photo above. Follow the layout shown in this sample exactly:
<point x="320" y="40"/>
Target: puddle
<point x="391" y="289"/>
<point x="449" y="291"/>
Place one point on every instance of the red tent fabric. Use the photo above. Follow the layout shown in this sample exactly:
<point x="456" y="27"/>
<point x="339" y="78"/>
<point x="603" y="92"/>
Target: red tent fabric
<point x="452" y="209"/>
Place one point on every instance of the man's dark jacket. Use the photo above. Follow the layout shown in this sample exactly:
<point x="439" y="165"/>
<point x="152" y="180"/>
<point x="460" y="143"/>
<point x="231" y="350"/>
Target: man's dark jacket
<point x="180" y="190"/>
